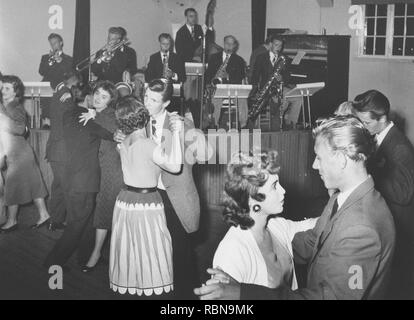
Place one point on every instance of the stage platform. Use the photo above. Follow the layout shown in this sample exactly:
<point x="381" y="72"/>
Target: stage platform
<point x="296" y="157"/>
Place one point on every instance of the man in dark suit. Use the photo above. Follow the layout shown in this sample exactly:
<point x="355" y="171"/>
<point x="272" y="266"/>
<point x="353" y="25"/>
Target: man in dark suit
<point x="228" y="68"/>
<point x="62" y="102"/>
<point x="393" y="171"/>
<point x="190" y="36"/>
<point x="82" y="182"/>
<point x="165" y="61"/>
<point x="54" y="65"/>
<point x="125" y="59"/>
<point x="264" y="68"/>
<point x="349" y="252"/>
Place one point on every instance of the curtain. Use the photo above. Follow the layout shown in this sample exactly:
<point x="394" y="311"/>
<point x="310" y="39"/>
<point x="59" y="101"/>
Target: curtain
<point x="381" y="1"/>
<point x="81" y="45"/>
<point x="259" y="9"/>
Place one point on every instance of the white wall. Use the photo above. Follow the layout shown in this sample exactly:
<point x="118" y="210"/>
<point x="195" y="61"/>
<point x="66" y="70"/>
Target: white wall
<point x="394" y="78"/>
<point x="24" y="28"/>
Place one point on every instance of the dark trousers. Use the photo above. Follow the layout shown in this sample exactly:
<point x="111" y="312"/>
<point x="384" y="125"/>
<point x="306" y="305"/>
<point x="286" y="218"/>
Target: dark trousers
<point x="79" y="233"/>
<point x="57" y="205"/>
<point x="184" y="266"/>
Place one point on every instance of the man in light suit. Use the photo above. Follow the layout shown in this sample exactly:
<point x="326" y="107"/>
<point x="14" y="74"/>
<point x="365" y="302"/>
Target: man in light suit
<point x="350" y="250"/>
<point x="392" y="168"/>
<point x="178" y="191"/>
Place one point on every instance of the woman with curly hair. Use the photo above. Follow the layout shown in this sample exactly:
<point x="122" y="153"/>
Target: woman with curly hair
<point x="23" y="179"/>
<point x="141" y="247"/>
<point x="257" y="249"/>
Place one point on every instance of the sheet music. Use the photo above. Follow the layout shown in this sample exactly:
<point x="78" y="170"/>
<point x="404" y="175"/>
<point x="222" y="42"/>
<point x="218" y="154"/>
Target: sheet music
<point x="298" y="58"/>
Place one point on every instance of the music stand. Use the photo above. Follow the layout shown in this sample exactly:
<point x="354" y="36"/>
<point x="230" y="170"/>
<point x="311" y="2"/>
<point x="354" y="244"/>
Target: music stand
<point x="305" y="91"/>
<point x="35" y="91"/>
<point x="236" y="91"/>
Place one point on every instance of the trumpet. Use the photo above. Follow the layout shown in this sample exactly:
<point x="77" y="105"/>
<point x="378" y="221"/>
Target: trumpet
<point x="106" y="54"/>
<point x="54" y="56"/>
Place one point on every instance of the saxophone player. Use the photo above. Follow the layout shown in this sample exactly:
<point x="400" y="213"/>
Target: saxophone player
<point x="165" y="63"/>
<point x="225" y="68"/>
<point x="263" y="70"/>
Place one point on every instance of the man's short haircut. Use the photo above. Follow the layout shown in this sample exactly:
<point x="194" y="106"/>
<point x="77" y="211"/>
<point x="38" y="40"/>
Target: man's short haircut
<point x="188" y="10"/>
<point x="279" y="38"/>
<point x="123" y="31"/>
<point x="165" y="36"/>
<point x="115" y="30"/>
<point x="374" y="102"/>
<point x="163" y="87"/>
<point x="348" y="135"/>
<point x="55" y="36"/>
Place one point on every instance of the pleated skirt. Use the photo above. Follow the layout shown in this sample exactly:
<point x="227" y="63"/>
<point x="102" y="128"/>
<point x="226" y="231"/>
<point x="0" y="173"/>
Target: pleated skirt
<point x="141" y="247"/>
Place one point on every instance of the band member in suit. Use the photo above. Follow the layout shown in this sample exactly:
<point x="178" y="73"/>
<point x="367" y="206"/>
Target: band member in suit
<point x="62" y="101"/>
<point x="190" y="36"/>
<point x="124" y="59"/>
<point x="228" y="68"/>
<point x="263" y="70"/>
<point x="393" y="171"/>
<point x="55" y="64"/>
<point x="165" y="63"/>
<point x="262" y="49"/>
<point x="349" y="252"/>
<point x="178" y="191"/>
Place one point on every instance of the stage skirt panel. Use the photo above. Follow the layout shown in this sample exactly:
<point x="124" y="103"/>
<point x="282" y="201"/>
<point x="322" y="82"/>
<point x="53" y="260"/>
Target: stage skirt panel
<point x="141" y="247"/>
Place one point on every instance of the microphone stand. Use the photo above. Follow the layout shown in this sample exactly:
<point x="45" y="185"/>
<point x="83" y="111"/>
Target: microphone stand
<point x="203" y="79"/>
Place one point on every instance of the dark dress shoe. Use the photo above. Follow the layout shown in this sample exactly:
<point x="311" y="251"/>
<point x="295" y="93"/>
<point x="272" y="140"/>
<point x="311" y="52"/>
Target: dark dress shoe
<point x="86" y="269"/>
<point x="9" y="230"/>
<point x="55" y="226"/>
<point x="40" y="225"/>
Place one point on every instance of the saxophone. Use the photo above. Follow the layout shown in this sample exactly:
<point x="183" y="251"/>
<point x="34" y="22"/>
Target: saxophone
<point x="165" y="73"/>
<point x="271" y="88"/>
<point x="221" y="73"/>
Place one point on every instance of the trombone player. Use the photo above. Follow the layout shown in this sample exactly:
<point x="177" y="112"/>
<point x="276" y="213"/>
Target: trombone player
<point x="113" y="64"/>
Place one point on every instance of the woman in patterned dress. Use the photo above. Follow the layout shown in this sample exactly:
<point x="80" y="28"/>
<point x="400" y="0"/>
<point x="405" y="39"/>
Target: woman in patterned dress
<point x="141" y="248"/>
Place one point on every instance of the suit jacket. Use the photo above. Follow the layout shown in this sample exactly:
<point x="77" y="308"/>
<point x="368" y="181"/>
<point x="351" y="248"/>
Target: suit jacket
<point x="236" y="68"/>
<point x="124" y="60"/>
<point x="393" y="173"/>
<point x="185" y="45"/>
<point x="55" y="147"/>
<point x="155" y="67"/>
<point x="253" y="58"/>
<point x="180" y="187"/>
<point x="55" y="74"/>
<point x="348" y="256"/>
<point x="82" y="170"/>
<point x="263" y="70"/>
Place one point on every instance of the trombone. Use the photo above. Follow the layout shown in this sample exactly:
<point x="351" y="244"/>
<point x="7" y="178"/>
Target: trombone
<point x="106" y="55"/>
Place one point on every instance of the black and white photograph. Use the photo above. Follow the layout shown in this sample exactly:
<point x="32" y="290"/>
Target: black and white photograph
<point x="196" y="151"/>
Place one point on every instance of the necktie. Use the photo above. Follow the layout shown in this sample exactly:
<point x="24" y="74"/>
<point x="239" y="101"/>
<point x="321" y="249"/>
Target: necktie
<point x="274" y="60"/>
<point x="164" y="60"/>
<point x="153" y="128"/>
<point x="193" y="32"/>
<point x="334" y="208"/>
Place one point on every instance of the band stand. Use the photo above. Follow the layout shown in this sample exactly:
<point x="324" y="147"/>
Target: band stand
<point x="35" y="91"/>
<point x="305" y="91"/>
<point x="232" y="92"/>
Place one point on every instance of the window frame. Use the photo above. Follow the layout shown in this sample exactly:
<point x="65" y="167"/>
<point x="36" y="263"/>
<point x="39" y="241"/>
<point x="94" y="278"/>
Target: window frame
<point x="389" y="36"/>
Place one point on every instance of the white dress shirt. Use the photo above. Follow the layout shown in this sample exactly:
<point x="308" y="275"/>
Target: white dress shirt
<point x="273" y="58"/>
<point x="381" y="136"/>
<point x="343" y="196"/>
<point x="159" y="127"/>
<point x="225" y="56"/>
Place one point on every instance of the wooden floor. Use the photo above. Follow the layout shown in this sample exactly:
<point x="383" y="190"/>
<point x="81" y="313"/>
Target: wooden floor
<point x="23" y="252"/>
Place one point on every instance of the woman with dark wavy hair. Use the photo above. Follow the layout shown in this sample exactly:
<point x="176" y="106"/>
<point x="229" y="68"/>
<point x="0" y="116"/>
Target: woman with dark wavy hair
<point x="257" y="249"/>
<point x="23" y="179"/>
<point x="141" y="247"/>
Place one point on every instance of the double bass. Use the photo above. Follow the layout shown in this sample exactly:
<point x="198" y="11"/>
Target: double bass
<point x="211" y="46"/>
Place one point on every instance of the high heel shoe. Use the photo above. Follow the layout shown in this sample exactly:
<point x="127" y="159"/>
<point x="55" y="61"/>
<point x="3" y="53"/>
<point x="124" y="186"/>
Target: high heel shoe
<point x="40" y="225"/>
<point x="9" y="230"/>
<point x="86" y="269"/>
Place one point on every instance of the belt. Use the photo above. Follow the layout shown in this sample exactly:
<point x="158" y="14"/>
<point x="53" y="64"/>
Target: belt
<point x="141" y="190"/>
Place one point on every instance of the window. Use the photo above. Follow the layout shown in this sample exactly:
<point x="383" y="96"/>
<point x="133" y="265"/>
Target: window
<point x="388" y="31"/>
